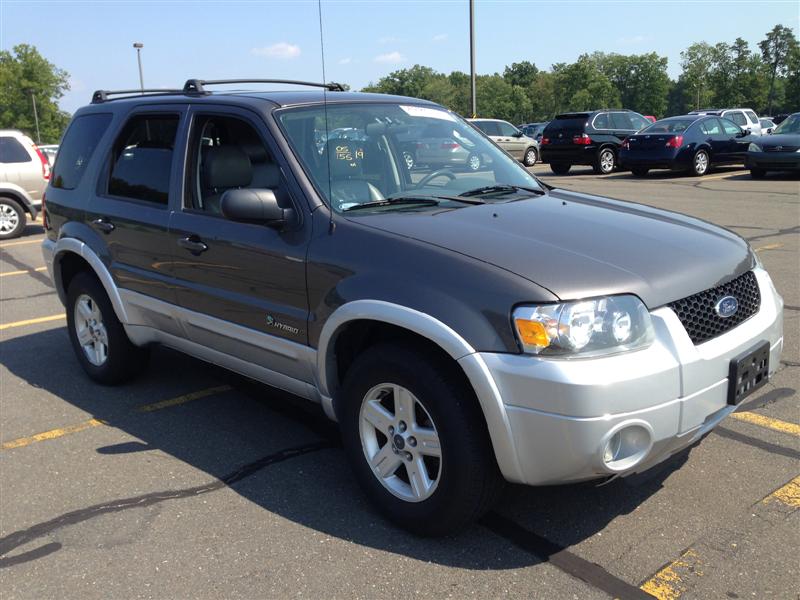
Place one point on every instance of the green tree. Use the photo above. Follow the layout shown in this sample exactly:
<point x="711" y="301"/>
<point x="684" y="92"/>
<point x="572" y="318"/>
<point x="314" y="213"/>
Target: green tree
<point x="776" y="50"/>
<point x="25" y="72"/>
<point x="697" y="61"/>
<point x="641" y="80"/>
<point x="522" y="73"/>
<point x="582" y="86"/>
<point x="792" y="87"/>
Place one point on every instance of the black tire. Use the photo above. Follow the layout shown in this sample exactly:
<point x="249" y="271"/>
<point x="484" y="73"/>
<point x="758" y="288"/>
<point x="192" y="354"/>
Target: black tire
<point x="696" y="168"/>
<point x="469" y="481"/>
<point x="639" y="171"/>
<point x="124" y="360"/>
<point x="474" y="162"/>
<point x="757" y="173"/>
<point x="606" y="161"/>
<point x="531" y="157"/>
<point x="560" y="168"/>
<point x="12" y="219"/>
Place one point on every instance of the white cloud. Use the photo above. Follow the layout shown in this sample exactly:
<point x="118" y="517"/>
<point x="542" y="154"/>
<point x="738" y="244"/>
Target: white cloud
<point x="345" y="61"/>
<point x="440" y="37"/>
<point x="390" y="58"/>
<point x="279" y="50"/>
<point x="633" y="40"/>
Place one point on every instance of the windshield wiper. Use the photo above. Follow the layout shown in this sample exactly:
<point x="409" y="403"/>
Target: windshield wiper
<point x="501" y="189"/>
<point x="421" y="199"/>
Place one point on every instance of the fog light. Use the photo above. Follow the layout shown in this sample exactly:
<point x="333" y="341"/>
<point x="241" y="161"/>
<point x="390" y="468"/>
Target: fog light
<point x="627" y="446"/>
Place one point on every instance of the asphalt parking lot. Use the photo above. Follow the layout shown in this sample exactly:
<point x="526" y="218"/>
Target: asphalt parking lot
<point x="192" y="482"/>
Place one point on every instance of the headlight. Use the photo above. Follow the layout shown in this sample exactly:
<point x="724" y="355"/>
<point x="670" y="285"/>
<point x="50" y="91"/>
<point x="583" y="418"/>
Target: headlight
<point x="753" y="147"/>
<point x="592" y="327"/>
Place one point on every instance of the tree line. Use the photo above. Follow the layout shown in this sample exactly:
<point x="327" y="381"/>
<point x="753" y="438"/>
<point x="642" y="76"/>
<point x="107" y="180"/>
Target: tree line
<point x="722" y="75"/>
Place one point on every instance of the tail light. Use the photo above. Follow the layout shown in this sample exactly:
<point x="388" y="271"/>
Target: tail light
<point x="449" y="145"/>
<point x="582" y="139"/>
<point x="45" y="163"/>
<point x="675" y="142"/>
<point x="626" y="144"/>
<point x="545" y="141"/>
<point x="44" y="213"/>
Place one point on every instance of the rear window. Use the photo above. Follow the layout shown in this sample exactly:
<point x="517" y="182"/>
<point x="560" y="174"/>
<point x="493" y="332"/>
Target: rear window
<point x="669" y="126"/>
<point x="11" y="151"/>
<point x="142" y="159"/>
<point x="567" y="123"/>
<point x="77" y="148"/>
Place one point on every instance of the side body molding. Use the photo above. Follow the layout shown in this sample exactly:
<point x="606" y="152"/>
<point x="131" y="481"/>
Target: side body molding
<point x="446" y="338"/>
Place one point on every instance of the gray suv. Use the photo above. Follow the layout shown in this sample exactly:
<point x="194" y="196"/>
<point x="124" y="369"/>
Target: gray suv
<point x="24" y="171"/>
<point x="510" y="139"/>
<point x="464" y="328"/>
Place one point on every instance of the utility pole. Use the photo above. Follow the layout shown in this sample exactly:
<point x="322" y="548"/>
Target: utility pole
<point x="472" y="57"/>
<point x="139" y="46"/>
<point x="36" y="117"/>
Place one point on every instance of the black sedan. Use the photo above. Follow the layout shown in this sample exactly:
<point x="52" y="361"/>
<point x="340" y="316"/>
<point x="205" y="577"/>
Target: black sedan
<point x="777" y="152"/>
<point x="692" y="143"/>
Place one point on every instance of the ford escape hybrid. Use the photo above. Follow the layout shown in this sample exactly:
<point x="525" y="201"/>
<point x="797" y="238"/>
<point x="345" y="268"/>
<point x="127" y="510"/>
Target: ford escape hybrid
<point x="463" y="327"/>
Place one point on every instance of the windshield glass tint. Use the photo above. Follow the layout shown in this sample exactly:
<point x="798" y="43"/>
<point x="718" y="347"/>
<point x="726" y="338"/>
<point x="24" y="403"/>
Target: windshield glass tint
<point x="669" y="126"/>
<point x="375" y="152"/>
<point x="790" y="125"/>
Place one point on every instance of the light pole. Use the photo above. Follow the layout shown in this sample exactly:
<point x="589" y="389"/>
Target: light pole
<point x="35" y="117"/>
<point x="472" y="57"/>
<point x="139" y="46"/>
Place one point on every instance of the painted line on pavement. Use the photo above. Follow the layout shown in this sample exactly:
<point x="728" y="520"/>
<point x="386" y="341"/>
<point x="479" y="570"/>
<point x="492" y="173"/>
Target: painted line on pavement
<point x="25" y="272"/>
<point x="769" y="247"/>
<point x="669" y="583"/>
<point x="183" y="399"/>
<point x="32" y="321"/>
<point x="788" y="494"/>
<point x="20" y="243"/>
<point x="768" y="422"/>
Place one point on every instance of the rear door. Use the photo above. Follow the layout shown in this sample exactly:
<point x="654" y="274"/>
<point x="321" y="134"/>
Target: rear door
<point x="14" y="161"/>
<point x="716" y="138"/>
<point x="621" y="126"/>
<point x="242" y="285"/>
<point x="510" y="139"/>
<point x="139" y="179"/>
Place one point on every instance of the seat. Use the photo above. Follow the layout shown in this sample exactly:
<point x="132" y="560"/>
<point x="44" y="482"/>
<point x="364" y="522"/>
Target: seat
<point x="348" y="186"/>
<point x="223" y="168"/>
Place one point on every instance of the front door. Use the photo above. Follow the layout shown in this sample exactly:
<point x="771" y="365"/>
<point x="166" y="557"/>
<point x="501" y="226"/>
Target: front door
<point x="737" y="141"/>
<point x="242" y="285"/>
<point x="510" y="140"/>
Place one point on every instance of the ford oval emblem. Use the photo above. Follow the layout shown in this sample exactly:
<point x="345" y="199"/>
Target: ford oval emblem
<point x="726" y="307"/>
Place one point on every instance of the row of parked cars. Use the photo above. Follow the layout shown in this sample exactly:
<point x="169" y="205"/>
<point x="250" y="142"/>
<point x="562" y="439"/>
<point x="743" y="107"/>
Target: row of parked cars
<point x="692" y="143"/>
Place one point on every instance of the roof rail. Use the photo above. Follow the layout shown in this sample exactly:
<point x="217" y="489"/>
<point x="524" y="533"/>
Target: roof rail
<point x="101" y="96"/>
<point x="197" y="86"/>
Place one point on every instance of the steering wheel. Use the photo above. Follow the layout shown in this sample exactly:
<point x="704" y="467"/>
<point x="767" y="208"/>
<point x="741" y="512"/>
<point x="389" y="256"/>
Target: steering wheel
<point x="431" y="176"/>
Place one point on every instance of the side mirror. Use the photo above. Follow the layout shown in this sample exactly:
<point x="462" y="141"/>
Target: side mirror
<point x="255" y="206"/>
<point x="518" y="134"/>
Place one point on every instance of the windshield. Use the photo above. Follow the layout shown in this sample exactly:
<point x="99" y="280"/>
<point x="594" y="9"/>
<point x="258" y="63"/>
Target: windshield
<point x="669" y="126"/>
<point x="790" y="125"/>
<point x="371" y="153"/>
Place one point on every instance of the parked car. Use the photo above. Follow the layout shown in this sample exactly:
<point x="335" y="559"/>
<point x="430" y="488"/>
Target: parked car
<point x="767" y="125"/>
<point x="440" y="145"/>
<point x="778" y="119"/>
<point x="746" y="118"/>
<point x="510" y="139"/>
<point x="778" y="152"/>
<point x="24" y="171"/>
<point x="650" y="118"/>
<point x="588" y="138"/>
<point x="50" y="151"/>
<point x="534" y="130"/>
<point x="462" y="327"/>
<point x="691" y="143"/>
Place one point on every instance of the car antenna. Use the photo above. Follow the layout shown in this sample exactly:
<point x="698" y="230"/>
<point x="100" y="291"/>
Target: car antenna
<point x="331" y="224"/>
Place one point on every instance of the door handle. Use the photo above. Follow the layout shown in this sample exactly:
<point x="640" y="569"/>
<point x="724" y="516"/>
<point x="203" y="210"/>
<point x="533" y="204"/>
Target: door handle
<point x="193" y="244"/>
<point x="104" y="225"/>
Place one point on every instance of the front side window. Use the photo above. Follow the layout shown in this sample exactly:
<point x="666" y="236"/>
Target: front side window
<point x="405" y="157"/>
<point x="737" y="118"/>
<point x="731" y="128"/>
<point x="77" y="148"/>
<point x="638" y="122"/>
<point x="141" y="160"/>
<point x="752" y="116"/>
<point x="711" y="127"/>
<point x="790" y="125"/>
<point x="11" y="151"/>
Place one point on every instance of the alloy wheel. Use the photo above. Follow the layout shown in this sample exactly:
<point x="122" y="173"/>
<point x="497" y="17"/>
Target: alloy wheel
<point x="606" y="161"/>
<point x="701" y="163"/>
<point x="9" y="219"/>
<point x="90" y="330"/>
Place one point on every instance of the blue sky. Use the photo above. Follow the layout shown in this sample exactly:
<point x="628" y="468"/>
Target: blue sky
<point x="363" y="40"/>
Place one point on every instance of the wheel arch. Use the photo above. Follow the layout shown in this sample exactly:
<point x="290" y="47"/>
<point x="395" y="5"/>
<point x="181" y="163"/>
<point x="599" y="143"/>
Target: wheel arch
<point x="19" y="197"/>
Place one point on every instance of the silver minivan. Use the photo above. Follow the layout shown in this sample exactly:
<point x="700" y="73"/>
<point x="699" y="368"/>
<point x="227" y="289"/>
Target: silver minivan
<point x="510" y="139"/>
<point x="746" y="118"/>
<point x="24" y="172"/>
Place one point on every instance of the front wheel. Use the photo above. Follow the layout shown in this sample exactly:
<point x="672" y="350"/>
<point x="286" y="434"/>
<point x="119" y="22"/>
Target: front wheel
<point x="531" y="156"/>
<point x="474" y="162"/>
<point x="757" y="173"/>
<point x="560" y="168"/>
<point x="606" y="161"/>
<point x="700" y="163"/>
<point x="12" y="219"/>
<point x="416" y="439"/>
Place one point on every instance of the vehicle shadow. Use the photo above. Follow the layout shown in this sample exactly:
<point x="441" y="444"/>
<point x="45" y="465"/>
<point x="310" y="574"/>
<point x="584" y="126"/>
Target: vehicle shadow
<point x="251" y="424"/>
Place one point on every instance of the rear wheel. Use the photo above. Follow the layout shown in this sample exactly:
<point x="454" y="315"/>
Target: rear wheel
<point x="531" y="156"/>
<point x="12" y="219"/>
<point x="417" y="441"/>
<point x="757" y="173"/>
<point x="98" y="338"/>
<point x="639" y="171"/>
<point x="606" y="161"/>
<point x="700" y="163"/>
<point x="473" y="162"/>
<point x="560" y="168"/>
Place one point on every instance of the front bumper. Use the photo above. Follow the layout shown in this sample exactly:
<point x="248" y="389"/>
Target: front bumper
<point x="561" y="413"/>
<point x="773" y="161"/>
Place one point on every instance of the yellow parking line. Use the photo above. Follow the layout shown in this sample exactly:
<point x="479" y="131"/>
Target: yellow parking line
<point x="62" y="431"/>
<point x="789" y="494"/>
<point x="768" y="422"/>
<point x="668" y="583"/>
<point x="769" y="247"/>
<point x="32" y="321"/>
<point x="20" y="243"/>
<point x="52" y="434"/>
<point x="720" y="176"/>
<point x="183" y="399"/>
<point x="26" y="271"/>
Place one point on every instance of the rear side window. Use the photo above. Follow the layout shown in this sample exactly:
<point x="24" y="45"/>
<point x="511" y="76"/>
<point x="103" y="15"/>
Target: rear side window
<point x="711" y="127"/>
<point x="737" y="117"/>
<point x="506" y="129"/>
<point x="141" y="161"/>
<point x="11" y="151"/>
<point x="602" y="121"/>
<point x="752" y="116"/>
<point x="621" y="121"/>
<point x="77" y="148"/>
<point x="488" y="127"/>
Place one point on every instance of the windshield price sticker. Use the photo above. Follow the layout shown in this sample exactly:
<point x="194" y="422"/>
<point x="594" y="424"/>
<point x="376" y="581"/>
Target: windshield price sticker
<point x="423" y="111"/>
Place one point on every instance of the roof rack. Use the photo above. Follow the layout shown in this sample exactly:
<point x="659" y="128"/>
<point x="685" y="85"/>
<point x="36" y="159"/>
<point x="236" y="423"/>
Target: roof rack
<point x="101" y="96"/>
<point x="197" y="86"/>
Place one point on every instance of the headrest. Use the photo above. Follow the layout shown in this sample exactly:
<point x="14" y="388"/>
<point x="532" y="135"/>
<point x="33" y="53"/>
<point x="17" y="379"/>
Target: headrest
<point x="256" y="152"/>
<point x="226" y="167"/>
<point x="345" y="157"/>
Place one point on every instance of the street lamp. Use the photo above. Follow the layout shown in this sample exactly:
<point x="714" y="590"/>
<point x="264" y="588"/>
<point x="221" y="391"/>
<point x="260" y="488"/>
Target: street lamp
<point x="35" y="114"/>
<point x="472" y="58"/>
<point x="139" y="46"/>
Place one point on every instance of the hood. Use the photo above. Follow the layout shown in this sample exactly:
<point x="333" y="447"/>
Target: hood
<point x="577" y="245"/>
<point x="779" y="139"/>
